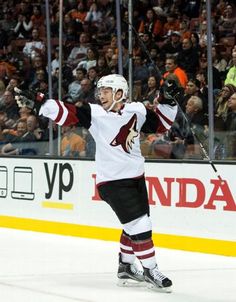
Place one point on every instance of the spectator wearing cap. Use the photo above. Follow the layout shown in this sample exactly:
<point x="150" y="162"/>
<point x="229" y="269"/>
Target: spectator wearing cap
<point x="188" y="58"/>
<point x="172" y="67"/>
<point x="173" y="46"/>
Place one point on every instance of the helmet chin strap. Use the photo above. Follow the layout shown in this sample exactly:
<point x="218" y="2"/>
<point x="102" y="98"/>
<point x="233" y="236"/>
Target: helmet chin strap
<point x="114" y="102"/>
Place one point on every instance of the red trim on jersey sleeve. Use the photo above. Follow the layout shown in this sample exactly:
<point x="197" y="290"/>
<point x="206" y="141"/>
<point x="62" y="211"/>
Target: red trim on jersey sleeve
<point x="161" y="128"/>
<point x="60" y="112"/>
<point x="72" y="118"/>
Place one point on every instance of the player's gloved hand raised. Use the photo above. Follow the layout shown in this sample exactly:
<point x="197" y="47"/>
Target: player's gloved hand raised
<point x="169" y="93"/>
<point x="29" y="98"/>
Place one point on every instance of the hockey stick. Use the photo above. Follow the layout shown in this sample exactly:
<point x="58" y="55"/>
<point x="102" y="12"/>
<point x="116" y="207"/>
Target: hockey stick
<point x="204" y="151"/>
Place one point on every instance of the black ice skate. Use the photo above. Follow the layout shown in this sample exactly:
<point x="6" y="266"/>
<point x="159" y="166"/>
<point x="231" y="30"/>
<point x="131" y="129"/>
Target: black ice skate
<point x="156" y="280"/>
<point x="129" y="275"/>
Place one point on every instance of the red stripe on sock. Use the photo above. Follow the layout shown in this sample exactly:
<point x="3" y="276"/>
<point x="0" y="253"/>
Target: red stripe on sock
<point x="139" y="246"/>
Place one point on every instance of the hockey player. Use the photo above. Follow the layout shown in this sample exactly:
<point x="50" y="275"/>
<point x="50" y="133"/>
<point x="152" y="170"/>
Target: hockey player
<point x="115" y="126"/>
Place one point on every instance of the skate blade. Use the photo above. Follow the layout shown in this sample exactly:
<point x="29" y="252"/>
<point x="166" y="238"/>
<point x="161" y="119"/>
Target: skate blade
<point x="130" y="283"/>
<point x="152" y="287"/>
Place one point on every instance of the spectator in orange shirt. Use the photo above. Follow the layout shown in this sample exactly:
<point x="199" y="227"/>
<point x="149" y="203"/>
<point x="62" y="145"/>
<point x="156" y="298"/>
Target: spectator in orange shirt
<point x="79" y="15"/>
<point x="171" y="25"/>
<point x="173" y="68"/>
<point x="151" y="24"/>
<point x="72" y="144"/>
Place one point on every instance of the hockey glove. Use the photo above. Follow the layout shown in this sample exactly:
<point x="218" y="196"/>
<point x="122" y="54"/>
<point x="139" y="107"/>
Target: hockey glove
<point x="29" y="98"/>
<point x="169" y="93"/>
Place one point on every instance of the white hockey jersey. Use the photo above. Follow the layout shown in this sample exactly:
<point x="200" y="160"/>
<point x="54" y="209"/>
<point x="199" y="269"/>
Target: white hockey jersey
<point x="118" y="154"/>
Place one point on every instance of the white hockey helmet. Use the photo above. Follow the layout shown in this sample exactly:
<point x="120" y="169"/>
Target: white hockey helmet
<point x="116" y="82"/>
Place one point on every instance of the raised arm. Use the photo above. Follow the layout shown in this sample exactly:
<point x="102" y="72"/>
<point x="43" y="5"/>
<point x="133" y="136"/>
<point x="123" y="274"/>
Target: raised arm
<point x="161" y="117"/>
<point x="61" y="113"/>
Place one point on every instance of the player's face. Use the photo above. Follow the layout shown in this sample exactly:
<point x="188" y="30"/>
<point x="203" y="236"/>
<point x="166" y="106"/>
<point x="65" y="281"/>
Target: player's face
<point x="105" y="97"/>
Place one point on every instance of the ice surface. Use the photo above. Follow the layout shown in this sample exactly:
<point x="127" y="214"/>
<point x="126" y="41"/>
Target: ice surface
<point x="37" y="267"/>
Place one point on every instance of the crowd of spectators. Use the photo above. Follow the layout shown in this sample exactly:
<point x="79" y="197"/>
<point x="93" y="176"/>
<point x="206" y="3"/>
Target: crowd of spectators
<point x="170" y="42"/>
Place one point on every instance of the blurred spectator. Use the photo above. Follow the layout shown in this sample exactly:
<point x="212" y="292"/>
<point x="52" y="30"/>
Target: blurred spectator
<point x="172" y="46"/>
<point x="102" y="66"/>
<point x="79" y="14"/>
<point x="86" y="93"/>
<point x="35" y="47"/>
<point x="171" y="66"/>
<point x="195" y="113"/>
<point x="41" y="82"/>
<point x="152" y="25"/>
<point x="188" y="58"/>
<point x="8" y="23"/>
<point x="94" y="15"/>
<point x="10" y="107"/>
<point x="230" y="123"/>
<point x="184" y="30"/>
<point x="113" y="64"/>
<point x="23" y="27"/>
<point x="109" y="52"/>
<point x="90" y="61"/>
<point x="193" y="89"/>
<point x="219" y="62"/>
<point x="72" y="144"/>
<point x="191" y="8"/>
<point x="55" y="61"/>
<point x="75" y="86"/>
<point x="221" y="105"/>
<point x="12" y="83"/>
<point x="151" y="62"/>
<point x="7" y="69"/>
<point x="78" y="52"/>
<point x="195" y="42"/>
<point x="34" y="133"/>
<point x="217" y="83"/>
<point x="151" y="92"/>
<point x="24" y="113"/>
<point x="172" y="24"/>
<point x="3" y="38"/>
<point x="2" y="90"/>
<point x="140" y="77"/>
<point x="203" y="35"/>
<point x="231" y="74"/>
<point x="37" y="17"/>
<point x="93" y="76"/>
<point x="230" y="127"/>
<point x="37" y="65"/>
<point x="15" y="135"/>
<point x="227" y="23"/>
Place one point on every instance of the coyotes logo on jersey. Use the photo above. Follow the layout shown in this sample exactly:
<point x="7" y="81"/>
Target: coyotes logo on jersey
<point x="126" y="135"/>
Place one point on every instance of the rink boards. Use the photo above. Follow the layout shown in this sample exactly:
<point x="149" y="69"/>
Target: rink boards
<point x="191" y="208"/>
